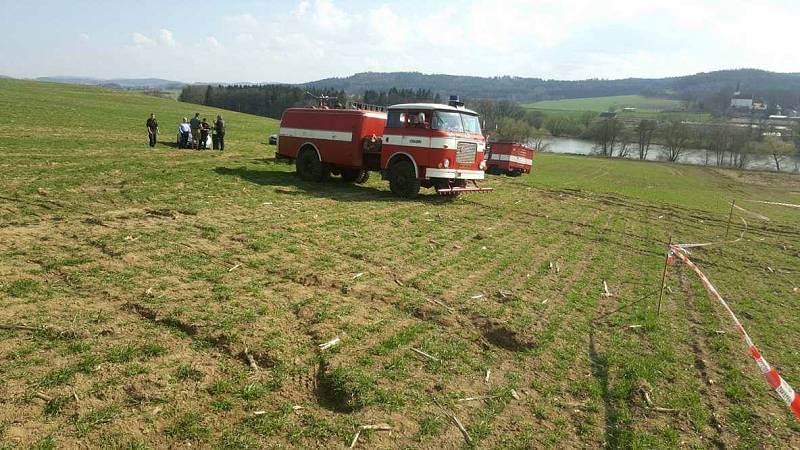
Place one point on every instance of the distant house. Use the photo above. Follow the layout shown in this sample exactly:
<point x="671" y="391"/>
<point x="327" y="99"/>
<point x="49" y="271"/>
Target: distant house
<point x="628" y="109"/>
<point x="747" y="103"/>
<point x="759" y="105"/>
<point x="742" y="101"/>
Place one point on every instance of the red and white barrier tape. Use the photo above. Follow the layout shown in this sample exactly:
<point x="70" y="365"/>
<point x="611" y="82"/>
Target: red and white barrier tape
<point x="706" y="244"/>
<point x="774" y="379"/>
<point x="790" y="205"/>
<point x="754" y="214"/>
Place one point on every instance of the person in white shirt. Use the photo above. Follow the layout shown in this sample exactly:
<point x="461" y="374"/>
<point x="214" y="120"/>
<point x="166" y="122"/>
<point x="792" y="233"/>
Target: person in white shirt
<point x="185" y="130"/>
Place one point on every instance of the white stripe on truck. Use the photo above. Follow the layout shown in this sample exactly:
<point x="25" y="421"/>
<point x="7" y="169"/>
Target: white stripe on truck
<point x="329" y="135"/>
<point x="512" y="158"/>
<point x="430" y="172"/>
<point x="428" y="142"/>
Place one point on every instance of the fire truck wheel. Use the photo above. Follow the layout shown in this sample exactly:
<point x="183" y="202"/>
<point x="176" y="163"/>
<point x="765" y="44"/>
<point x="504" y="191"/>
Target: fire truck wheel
<point x="309" y="167"/>
<point x="363" y="176"/>
<point x="515" y="173"/>
<point x="358" y="176"/>
<point x="402" y="180"/>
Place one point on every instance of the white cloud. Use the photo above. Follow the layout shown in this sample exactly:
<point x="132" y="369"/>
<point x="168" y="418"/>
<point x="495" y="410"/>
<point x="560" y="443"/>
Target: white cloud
<point x="165" y="38"/>
<point x="212" y="43"/>
<point x="141" y="41"/>
<point x="302" y="8"/>
<point x="84" y="37"/>
<point x="242" y="22"/>
<point x="562" y="39"/>
<point x="244" y="38"/>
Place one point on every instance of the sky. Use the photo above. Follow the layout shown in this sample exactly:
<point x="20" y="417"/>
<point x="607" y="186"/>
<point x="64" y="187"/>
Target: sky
<point x="304" y="40"/>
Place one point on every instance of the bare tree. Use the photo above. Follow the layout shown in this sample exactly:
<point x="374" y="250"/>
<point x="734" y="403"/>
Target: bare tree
<point x="676" y="140"/>
<point x="740" y="146"/>
<point x="777" y="148"/>
<point x="646" y="129"/>
<point x="537" y="140"/>
<point x="605" y="132"/>
<point x="624" y="141"/>
<point x="717" y="141"/>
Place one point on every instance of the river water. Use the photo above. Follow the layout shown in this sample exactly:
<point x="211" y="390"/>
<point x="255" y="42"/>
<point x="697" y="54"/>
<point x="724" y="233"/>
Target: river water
<point x="690" y="156"/>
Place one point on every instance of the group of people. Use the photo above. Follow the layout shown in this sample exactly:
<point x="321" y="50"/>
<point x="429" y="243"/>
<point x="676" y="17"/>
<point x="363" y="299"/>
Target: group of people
<point x="192" y="133"/>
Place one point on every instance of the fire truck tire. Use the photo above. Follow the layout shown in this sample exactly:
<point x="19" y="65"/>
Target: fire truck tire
<point x="515" y="173"/>
<point x="363" y="177"/>
<point x="358" y="176"/>
<point x="403" y="181"/>
<point x="309" y="167"/>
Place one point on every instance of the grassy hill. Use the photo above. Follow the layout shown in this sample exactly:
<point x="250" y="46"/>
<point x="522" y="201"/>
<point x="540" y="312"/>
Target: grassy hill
<point x="646" y="107"/>
<point x="598" y="104"/>
<point x="775" y="88"/>
<point x="154" y="298"/>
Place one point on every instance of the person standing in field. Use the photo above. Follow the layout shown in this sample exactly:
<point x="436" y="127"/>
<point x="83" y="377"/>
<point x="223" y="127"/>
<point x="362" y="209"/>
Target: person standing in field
<point x="204" y="129"/>
<point x="219" y="128"/>
<point x="185" y="131"/>
<point x="152" y="129"/>
<point x="194" y="126"/>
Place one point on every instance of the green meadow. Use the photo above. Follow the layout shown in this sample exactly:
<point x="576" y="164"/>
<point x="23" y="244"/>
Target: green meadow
<point x="159" y="298"/>
<point x="646" y="107"/>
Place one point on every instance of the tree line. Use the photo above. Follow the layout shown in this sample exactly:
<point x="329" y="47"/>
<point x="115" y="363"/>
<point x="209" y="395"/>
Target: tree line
<point x="395" y="96"/>
<point x="710" y="92"/>
<point x="724" y="144"/>
<point x="269" y="100"/>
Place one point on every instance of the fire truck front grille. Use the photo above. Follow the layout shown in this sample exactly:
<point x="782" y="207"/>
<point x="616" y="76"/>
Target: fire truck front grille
<point x="466" y="152"/>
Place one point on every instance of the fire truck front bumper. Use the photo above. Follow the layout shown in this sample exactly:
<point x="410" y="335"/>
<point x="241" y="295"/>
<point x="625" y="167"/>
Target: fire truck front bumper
<point x="454" y="174"/>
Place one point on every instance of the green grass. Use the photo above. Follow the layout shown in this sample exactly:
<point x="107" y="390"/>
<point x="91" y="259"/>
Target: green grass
<point x="646" y="107"/>
<point x="159" y="274"/>
<point x="598" y="104"/>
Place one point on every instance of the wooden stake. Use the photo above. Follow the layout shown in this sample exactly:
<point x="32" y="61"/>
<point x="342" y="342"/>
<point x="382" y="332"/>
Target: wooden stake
<point x="437" y="302"/>
<point x="480" y="397"/>
<point x="330" y="343"/>
<point x="664" y="277"/>
<point x="378" y="427"/>
<point x="730" y="217"/>
<point x="461" y="428"/>
<point x="420" y="352"/>
<point x="43" y="396"/>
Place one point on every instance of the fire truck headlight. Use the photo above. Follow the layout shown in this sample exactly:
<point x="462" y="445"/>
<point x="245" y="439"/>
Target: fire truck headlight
<point x="446" y="163"/>
<point x="483" y="165"/>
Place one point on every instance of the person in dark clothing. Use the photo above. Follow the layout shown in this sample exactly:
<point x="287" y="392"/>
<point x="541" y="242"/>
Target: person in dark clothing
<point x="152" y="129"/>
<point x="219" y="128"/>
<point x="194" y="126"/>
<point x="205" y="128"/>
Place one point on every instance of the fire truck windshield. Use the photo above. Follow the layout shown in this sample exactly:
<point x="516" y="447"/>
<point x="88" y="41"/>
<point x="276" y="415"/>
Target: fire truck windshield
<point x="455" y="122"/>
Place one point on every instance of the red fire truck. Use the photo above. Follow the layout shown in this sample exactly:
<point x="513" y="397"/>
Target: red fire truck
<point x="509" y="158"/>
<point x="412" y="145"/>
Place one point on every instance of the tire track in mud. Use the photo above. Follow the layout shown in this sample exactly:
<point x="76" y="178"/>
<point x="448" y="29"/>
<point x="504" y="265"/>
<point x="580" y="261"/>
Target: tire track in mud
<point x="707" y="369"/>
<point x="135" y="311"/>
<point x="595" y="361"/>
<point x="227" y="348"/>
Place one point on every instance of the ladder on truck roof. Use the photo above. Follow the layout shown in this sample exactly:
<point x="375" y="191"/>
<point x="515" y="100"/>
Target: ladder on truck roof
<point x="365" y="106"/>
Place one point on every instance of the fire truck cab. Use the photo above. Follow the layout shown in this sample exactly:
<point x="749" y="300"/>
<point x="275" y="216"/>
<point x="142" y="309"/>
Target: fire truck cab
<point x="412" y="145"/>
<point x="431" y="145"/>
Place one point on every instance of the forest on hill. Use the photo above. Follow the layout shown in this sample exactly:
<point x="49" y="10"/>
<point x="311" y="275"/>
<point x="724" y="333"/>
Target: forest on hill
<point x="709" y="91"/>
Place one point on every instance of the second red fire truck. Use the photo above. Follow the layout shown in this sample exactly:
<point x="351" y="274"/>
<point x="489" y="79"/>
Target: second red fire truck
<point x="412" y="145"/>
<point x="510" y="158"/>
